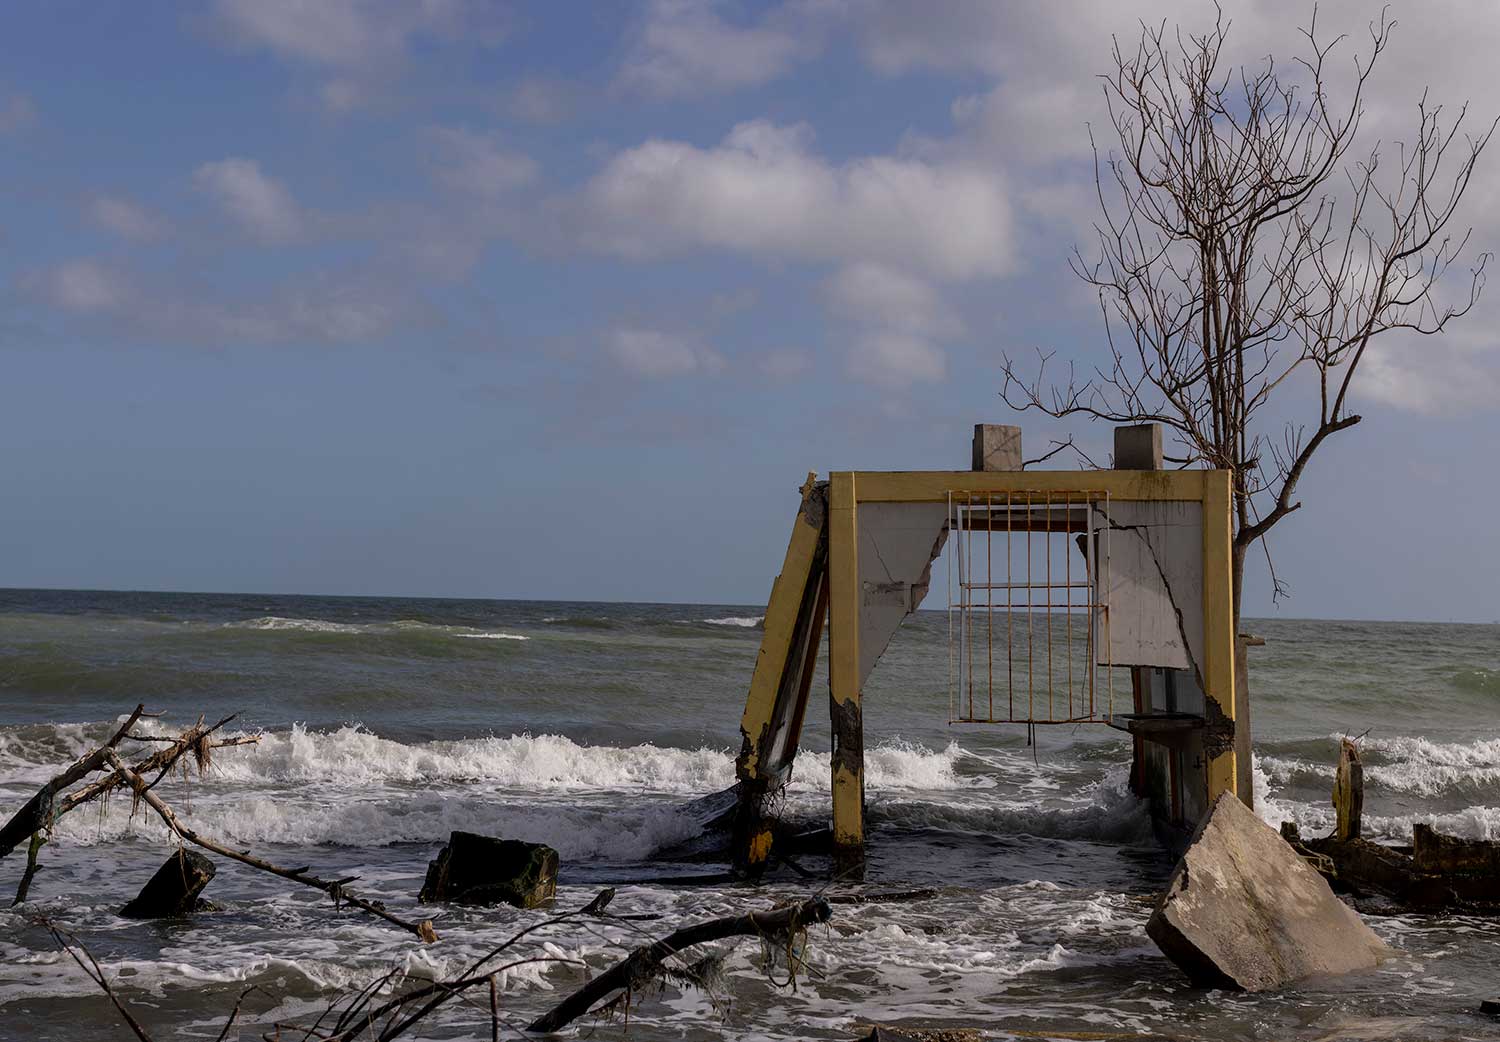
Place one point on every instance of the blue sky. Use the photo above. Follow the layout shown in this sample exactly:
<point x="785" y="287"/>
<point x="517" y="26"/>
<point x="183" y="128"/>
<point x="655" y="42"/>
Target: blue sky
<point x="564" y="300"/>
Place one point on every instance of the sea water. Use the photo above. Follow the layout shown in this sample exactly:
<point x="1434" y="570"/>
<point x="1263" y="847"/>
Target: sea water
<point x="388" y="723"/>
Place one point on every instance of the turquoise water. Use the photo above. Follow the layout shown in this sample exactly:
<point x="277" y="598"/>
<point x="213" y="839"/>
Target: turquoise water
<point x="390" y="722"/>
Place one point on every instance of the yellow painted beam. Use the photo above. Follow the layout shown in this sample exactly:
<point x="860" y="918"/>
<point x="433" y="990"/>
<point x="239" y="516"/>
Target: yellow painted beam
<point x="782" y="608"/>
<point x="933" y="486"/>
<point x="843" y="673"/>
<point x="1218" y="618"/>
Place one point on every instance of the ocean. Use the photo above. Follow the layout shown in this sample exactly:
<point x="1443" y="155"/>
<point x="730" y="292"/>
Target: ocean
<point x="390" y="722"/>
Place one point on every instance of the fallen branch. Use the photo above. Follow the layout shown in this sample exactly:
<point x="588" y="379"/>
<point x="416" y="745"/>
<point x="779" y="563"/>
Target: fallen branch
<point x="333" y="888"/>
<point x="357" y="1019"/>
<point x="645" y="963"/>
<point x="195" y="740"/>
<point x="37" y="814"/>
<point x="96" y="974"/>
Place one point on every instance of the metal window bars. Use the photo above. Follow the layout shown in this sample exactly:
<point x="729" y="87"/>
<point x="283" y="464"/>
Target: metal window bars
<point x="1038" y="662"/>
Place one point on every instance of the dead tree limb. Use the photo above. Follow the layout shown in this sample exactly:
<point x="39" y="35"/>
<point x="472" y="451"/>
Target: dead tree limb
<point x="333" y="888"/>
<point x="32" y="850"/>
<point x="645" y="962"/>
<point x="195" y="740"/>
<point x="37" y="814"/>
<point x="72" y="945"/>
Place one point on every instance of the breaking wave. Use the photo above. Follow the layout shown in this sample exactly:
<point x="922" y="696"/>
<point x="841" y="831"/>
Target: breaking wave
<point x="354" y="756"/>
<point x="398" y="628"/>
<point x="745" y="621"/>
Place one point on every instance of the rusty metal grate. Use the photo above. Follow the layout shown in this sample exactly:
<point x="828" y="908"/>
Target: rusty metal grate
<point x="1028" y="632"/>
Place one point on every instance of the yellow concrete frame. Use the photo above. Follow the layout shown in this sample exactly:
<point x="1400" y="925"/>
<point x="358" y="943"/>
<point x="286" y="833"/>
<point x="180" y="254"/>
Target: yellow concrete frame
<point x="847" y="489"/>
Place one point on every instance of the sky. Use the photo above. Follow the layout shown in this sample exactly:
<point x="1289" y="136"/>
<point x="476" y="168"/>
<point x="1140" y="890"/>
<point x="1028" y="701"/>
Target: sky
<point x="563" y="300"/>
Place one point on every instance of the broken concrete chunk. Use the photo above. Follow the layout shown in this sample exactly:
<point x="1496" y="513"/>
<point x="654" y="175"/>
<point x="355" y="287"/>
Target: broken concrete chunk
<point x="482" y="870"/>
<point x="1244" y="911"/>
<point x="173" y="891"/>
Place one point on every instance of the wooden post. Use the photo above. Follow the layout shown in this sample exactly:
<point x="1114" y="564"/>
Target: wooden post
<point x="844" y="679"/>
<point x="1348" y="793"/>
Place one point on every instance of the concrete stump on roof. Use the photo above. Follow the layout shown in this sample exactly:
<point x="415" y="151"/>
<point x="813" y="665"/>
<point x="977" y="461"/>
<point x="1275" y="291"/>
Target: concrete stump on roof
<point x="1243" y="910"/>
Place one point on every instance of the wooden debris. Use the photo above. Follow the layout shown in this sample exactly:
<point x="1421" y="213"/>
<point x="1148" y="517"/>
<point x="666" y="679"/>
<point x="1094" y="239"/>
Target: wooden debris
<point x="336" y="889"/>
<point x="1348" y="793"/>
<point x="37" y="815"/>
<point x="173" y="890"/>
<point x="1436" y="873"/>
<point x="644" y="963"/>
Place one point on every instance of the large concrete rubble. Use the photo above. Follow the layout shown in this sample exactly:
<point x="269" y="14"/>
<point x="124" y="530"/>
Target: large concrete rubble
<point x="1243" y="910"/>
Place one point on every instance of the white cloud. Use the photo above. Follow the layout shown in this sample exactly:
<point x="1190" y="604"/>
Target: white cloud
<point x="81" y="286"/>
<point x="16" y="113"/>
<point x="896" y="360"/>
<point x="126" y="219"/>
<point x="324" y="309"/>
<point x="348" y="33"/>
<point x="258" y="203"/>
<point x="659" y="354"/>
<point x="875" y="295"/>
<point x="1431" y="377"/>
<point x="784" y="364"/>
<point x="477" y="165"/>
<point x="899" y="321"/>
<point x="688" y="47"/>
<point x="341" y="96"/>
<point x="542" y="100"/>
<point x="762" y="191"/>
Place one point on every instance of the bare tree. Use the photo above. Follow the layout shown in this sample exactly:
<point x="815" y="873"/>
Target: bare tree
<point x="1247" y="248"/>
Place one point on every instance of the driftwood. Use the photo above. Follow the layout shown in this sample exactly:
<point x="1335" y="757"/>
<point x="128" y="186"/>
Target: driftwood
<point x="36" y="815"/>
<point x="1437" y="872"/>
<point x="644" y="963"/>
<point x="1348" y="793"/>
<point x="43" y="810"/>
<point x="94" y="973"/>
<point x="333" y="888"/>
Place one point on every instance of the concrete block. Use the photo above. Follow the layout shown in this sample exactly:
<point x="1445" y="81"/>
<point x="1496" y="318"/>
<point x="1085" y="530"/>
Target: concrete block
<point x="997" y="446"/>
<point x="1138" y="447"/>
<point x="1243" y="910"/>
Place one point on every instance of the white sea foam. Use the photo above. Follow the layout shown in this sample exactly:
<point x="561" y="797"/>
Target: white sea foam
<point x="1483" y="752"/>
<point x="277" y="622"/>
<point x="746" y="621"/>
<point x="355" y="756"/>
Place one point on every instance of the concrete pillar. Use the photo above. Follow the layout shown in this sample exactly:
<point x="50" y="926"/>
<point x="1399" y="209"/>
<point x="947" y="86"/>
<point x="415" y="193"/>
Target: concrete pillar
<point x="1138" y="447"/>
<point x="997" y="446"/>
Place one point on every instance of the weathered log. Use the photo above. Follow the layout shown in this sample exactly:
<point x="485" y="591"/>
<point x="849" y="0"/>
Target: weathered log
<point x="173" y="890"/>
<point x="1348" y="792"/>
<point x="335" y="889"/>
<point x="37" y="815"/>
<point x="475" y="869"/>
<point x="645" y="962"/>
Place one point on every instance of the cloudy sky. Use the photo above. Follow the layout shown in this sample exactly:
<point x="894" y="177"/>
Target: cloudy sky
<point x="562" y="300"/>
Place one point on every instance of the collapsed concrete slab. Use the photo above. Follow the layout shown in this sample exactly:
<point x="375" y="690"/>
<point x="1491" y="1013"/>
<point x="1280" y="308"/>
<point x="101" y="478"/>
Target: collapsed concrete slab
<point x="1243" y="910"/>
<point x="173" y="891"/>
<point x="475" y="869"/>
